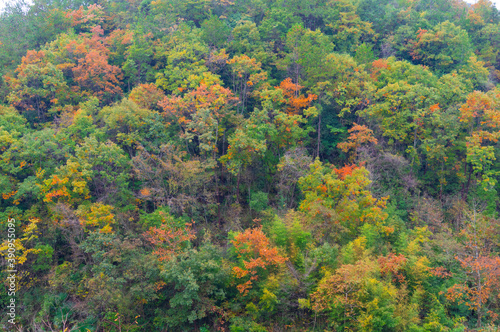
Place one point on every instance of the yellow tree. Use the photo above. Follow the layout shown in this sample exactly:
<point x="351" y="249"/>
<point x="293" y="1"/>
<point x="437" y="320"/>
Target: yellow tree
<point x="339" y="199"/>
<point x="480" y="116"/>
<point x="247" y="73"/>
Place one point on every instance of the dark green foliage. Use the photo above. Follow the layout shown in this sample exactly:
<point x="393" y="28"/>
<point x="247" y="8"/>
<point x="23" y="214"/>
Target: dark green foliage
<point x="195" y="288"/>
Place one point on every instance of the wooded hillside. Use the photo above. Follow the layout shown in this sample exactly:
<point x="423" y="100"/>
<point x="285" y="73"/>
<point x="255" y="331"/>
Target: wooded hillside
<point x="251" y="165"/>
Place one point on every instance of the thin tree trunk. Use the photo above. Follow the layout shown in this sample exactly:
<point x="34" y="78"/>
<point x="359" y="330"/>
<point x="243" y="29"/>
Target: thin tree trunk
<point x="238" y="185"/>
<point x="319" y="135"/>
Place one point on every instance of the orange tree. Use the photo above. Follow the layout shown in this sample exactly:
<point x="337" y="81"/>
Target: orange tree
<point x="256" y="255"/>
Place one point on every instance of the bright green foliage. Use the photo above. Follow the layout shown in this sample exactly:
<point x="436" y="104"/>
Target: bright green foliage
<point x="401" y="100"/>
<point x="138" y="66"/>
<point x="364" y="54"/>
<point x="125" y="121"/>
<point x="347" y="28"/>
<point x="306" y="51"/>
<point x="215" y="32"/>
<point x="276" y="23"/>
<point x="181" y="61"/>
<point x="443" y="48"/>
<point x="248" y="141"/>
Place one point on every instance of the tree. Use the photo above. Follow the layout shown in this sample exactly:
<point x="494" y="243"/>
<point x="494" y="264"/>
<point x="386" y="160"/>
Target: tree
<point x="276" y="23"/>
<point x="38" y="86"/>
<point x="181" y="61"/>
<point x="23" y="245"/>
<point x="400" y="101"/>
<point x="480" y="114"/>
<point x="247" y="73"/>
<point x="246" y="40"/>
<point x="204" y="113"/>
<point x="247" y="143"/>
<point x="139" y="59"/>
<point x="169" y="239"/>
<point x="306" y="51"/>
<point x="170" y="177"/>
<point x="93" y="72"/>
<point x="147" y="96"/>
<point x="296" y="101"/>
<point x="126" y="122"/>
<point x="359" y="135"/>
<point x="96" y="216"/>
<point x="292" y="166"/>
<point x="119" y="283"/>
<point x="339" y="292"/>
<point x="443" y="49"/>
<point x="256" y="254"/>
<point x="85" y="18"/>
<point x="84" y="61"/>
<point x="480" y="265"/>
<point x="28" y="25"/>
<point x="195" y="283"/>
<point x="98" y="169"/>
<point x="215" y="32"/>
<point x="349" y="31"/>
<point x="338" y="201"/>
<point x="487" y="41"/>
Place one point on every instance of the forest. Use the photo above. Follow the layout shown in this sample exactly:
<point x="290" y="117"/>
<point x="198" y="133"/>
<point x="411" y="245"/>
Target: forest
<point x="250" y="165"/>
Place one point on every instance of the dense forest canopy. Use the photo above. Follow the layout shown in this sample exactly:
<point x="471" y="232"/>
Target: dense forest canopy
<point x="250" y="165"/>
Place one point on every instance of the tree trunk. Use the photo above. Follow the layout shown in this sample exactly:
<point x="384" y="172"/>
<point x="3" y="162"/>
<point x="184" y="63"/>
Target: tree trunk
<point x="319" y="135"/>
